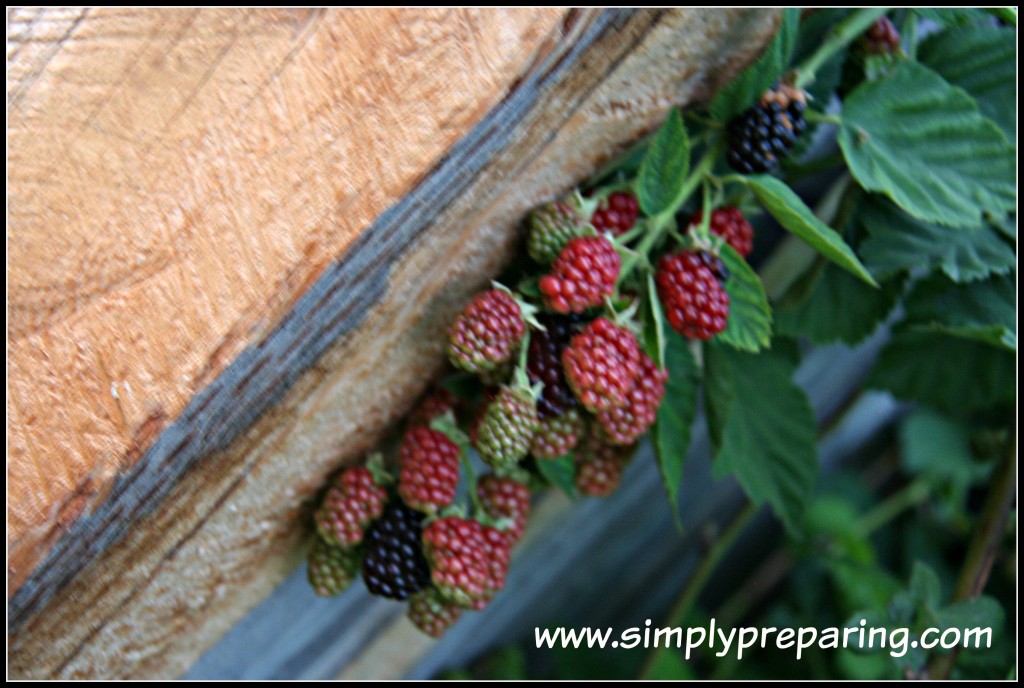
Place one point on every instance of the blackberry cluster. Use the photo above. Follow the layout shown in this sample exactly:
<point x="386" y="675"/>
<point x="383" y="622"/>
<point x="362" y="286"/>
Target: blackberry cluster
<point x="393" y="563"/>
<point x="762" y="136"/>
<point x="544" y="363"/>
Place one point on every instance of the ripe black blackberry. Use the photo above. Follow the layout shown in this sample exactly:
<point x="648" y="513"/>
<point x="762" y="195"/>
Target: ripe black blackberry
<point x="393" y="562"/>
<point x="761" y="136"/>
<point x="544" y="363"/>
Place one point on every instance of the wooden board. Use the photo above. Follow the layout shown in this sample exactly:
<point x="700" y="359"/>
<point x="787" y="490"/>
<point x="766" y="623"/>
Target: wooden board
<point x="176" y="179"/>
<point x="330" y="353"/>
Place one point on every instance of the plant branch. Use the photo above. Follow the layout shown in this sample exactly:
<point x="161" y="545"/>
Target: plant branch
<point x="660" y="223"/>
<point x="842" y="35"/>
<point x="684" y="604"/>
<point x="981" y="553"/>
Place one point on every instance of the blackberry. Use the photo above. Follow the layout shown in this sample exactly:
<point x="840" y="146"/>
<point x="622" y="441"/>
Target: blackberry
<point x="583" y="275"/>
<point x="601" y="364"/>
<point x="731" y="225"/>
<point x="624" y="425"/>
<point x="695" y="303"/>
<point x="486" y="333"/>
<point x="882" y="38"/>
<point x="431" y="613"/>
<point x="763" y="134"/>
<point x="555" y="437"/>
<point x="544" y="363"/>
<point x="616" y="214"/>
<point x="552" y="225"/>
<point x="429" y="475"/>
<point x="331" y="569"/>
<point x="393" y="563"/>
<point x="504" y="434"/>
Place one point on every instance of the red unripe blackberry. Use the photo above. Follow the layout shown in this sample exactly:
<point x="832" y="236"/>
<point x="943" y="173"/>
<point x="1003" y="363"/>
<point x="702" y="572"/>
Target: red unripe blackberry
<point x="601" y="363"/>
<point x="616" y="214"/>
<point x="599" y="466"/>
<point x="504" y="434"/>
<point x="434" y="404"/>
<point x="331" y="569"/>
<point x="551" y="225"/>
<point x="486" y="333"/>
<point x="431" y="613"/>
<point x="556" y="436"/>
<point x="581" y="278"/>
<point x="351" y="503"/>
<point x="497" y="557"/>
<point x="503" y="497"/>
<point x="393" y="562"/>
<point x="763" y="134"/>
<point x="458" y="549"/>
<point x="544" y="363"/>
<point x="625" y="424"/>
<point x="731" y="225"/>
<point x="429" y="476"/>
<point x="882" y="38"/>
<point x="695" y="303"/>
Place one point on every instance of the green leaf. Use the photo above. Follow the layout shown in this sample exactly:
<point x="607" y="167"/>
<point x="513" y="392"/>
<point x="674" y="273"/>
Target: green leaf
<point x="861" y="586"/>
<point x="925" y="588"/>
<point x="793" y="214"/>
<point x="665" y="167"/>
<point x="747" y="88"/>
<point x="840" y="307"/>
<point x="669" y="665"/>
<point x="936" y="446"/>
<point x="766" y="429"/>
<point x="898" y="242"/>
<point x="1007" y="15"/>
<point x="1007" y="226"/>
<point x="814" y="29"/>
<point x="944" y="372"/>
<point x="950" y="16"/>
<point x="835" y="518"/>
<point x="986" y="311"/>
<point x="750" y="317"/>
<point x="980" y="612"/>
<point x="654" y="324"/>
<point x="671" y="432"/>
<point x="560" y="472"/>
<point x="982" y="60"/>
<point x="923" y="143"/>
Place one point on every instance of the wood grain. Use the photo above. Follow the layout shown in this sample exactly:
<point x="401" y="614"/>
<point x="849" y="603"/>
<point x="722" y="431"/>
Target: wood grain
<point x="176" y="179"/>
<point x="343" y="360"/>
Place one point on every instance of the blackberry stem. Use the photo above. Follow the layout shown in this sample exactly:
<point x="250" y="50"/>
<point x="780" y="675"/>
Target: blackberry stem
<point x="910" y="31"/>
<point x="822" y="118"/>
<point x="660" y="223"/>
<point x="842" y="35"/>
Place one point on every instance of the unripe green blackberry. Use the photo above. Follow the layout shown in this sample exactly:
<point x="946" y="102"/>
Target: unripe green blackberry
<point x="432" y="613"/>
<point x="504" y="434"/>
<point x="331" y="569"/>
<point x="551" y="225"/>
<point x="556" y="436"/>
